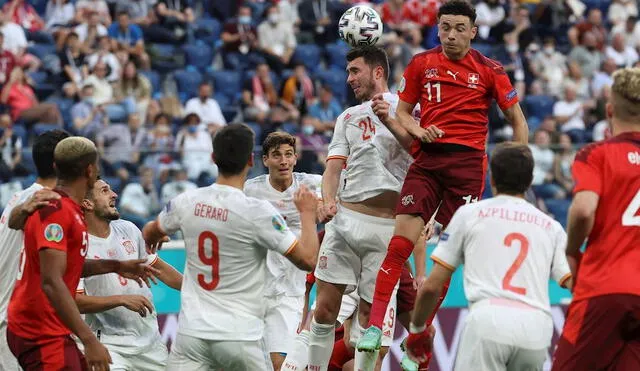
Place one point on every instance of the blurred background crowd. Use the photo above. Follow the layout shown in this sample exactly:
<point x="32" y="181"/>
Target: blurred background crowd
<point x="151" y="80"/>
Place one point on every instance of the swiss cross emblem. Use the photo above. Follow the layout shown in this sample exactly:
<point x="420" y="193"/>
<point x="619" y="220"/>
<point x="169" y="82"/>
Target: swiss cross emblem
<point x="474" y="78"/>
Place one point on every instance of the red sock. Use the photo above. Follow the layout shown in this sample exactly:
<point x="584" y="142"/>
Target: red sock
<point x="400" y="249"/>
<point x="341" y="355"/>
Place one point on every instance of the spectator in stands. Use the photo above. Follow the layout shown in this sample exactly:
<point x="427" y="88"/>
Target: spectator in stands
<point x="138" y="135"/>
<point x="133" y="86"/>
<point x="592" y="24"/>
<point x="513" y="62"/>
<point x="297" y="90"/>
<point x="630" y="29"/>
<point x="543" y="178"/>
<point x="421" y="13"/>
<point x="139" y="201"/>
<point x="289" y="12"/>
<point x="312" y="147"/>
<point x="23" y="14"/>
<point x="620" y="52"/>
<point x="620" y="10"/>
<point x="10" y="151"/>
<point x="84" y="9"/>
<point x="393" y="16"/>
<point x="159" y="145"/>
<point x="569" y="113"/>
<point x="88" y="118"/>
<point x="89" y="32"/>
<point x="195" y="148"/>
<point x="104" y="54"/>
<point x="23" y="104"/>
<point x="276" y="39"/>
<point x="562" y="164"/>
<point x="239" y="41"/>
<point x="103" y="94"/>
<point x="207" y="108"/>
<point x="317" y="23"/>
<point x="72" y="61"/>
<point x="551" y="15"/>
<point x="15" y="41"/>
<point x="58" y="15"/>
<point x="128" y="37"/>
<point x="489" y="14"/>
<point x="259" y="95"/>
<point x="325" y="112"/>
<point x="179" y="183"/>
<point x="577" y="79"/>
<point x="550" y="66"/>
<point x="282" y="118"/>
<point x="116" y="151"/>
<point x="603" y="77"/>
<point x="177" y="17"/>
<point x="587" y="55"/>
<point x="7" y="61"/>
<point x="517" y="27"/>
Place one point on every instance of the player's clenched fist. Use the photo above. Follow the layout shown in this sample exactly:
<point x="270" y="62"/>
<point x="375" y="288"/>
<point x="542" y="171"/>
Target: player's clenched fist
<point x="420" y="344"/>
<point x="326" y="212"/>
<point x="97" y="355"/>
<point x="305" y="200"/>
<point x="428" y="135"/>
<point x="380" y="107"/>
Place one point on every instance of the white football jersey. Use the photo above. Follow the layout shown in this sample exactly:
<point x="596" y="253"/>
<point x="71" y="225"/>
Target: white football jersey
<point x="376" y="162"/>
<point x="284" y="278"/>
<point x="11" y="245"/>
<point x="509" y="249"/>
<point x="120" y="326"/>
<point x="227" y="235"/>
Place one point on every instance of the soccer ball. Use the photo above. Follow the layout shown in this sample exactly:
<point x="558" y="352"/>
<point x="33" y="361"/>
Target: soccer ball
<point x="360" y="25"/>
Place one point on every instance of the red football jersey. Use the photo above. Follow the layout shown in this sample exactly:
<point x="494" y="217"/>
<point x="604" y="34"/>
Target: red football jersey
<point x="612" y="170"/>
<point x="456" y="95"/>
<point x="7" y="62"/>
<point x="60" y="226"/>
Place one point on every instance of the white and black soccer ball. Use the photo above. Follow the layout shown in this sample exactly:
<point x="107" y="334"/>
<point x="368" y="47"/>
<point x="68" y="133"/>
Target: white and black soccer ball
<point x="360" y="25"/>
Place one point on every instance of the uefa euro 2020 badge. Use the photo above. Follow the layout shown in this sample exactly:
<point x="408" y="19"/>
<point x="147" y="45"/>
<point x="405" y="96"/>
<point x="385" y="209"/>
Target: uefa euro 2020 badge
<point x="278" y="223"/>
<point x="53" y="232"/>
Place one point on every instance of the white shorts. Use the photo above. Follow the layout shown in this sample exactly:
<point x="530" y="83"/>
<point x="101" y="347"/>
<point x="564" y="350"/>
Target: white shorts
<point x="283" y="316"/>
<point x="7" y="360"/>
<point x="193" y="354"/>
<point x="499" y="332"/>
<point x="153" y="358"/>
<point x="353" y="249"/>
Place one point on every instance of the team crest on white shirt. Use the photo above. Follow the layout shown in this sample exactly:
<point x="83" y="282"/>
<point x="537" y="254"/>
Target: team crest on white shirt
<point x="128" y="247"/>
<point x="111" y="253"/>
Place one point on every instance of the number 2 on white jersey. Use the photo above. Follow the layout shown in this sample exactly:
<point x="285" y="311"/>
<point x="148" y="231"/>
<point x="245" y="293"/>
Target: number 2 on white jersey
<point x="522" y="254"/>
<point x="629" y="217"/>
<point x="213" y="261"/>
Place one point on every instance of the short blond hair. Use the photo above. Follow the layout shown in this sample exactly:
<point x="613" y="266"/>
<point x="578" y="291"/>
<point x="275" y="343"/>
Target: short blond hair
<point x="72" y="156"/>
<point x="625" y="94"/>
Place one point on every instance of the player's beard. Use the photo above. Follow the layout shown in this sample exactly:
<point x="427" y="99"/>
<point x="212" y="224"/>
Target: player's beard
<point x="368" y="93"/>
<point x="110" y="215"/>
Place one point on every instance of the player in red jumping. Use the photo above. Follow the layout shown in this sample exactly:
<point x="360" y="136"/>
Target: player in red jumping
<point x="42" y="310"/>
<point x="602" y="331"/>
<point x="454" y="85"/>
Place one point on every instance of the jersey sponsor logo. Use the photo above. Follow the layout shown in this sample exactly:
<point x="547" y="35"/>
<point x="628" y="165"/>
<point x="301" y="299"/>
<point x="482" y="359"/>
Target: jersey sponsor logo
<point x="128" y="246"/>
<point x="473" y="78"/>
<point x="278" y="223"/>
<point x="453" y="74"/>
<point x="322" y="262"/>
<point x="53" y="232"/>
<point x="512" y="94"/>
<point x="407" y="200"/>
<point x="444" y="236"/>
<point x="431" y="73"/>
<point x="402" y="85"/>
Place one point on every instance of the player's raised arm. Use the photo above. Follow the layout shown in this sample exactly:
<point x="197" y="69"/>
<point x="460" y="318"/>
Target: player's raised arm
<point x="381" y="109"/>
<point x="40" y="199"/>
<point x="135" y="269"/>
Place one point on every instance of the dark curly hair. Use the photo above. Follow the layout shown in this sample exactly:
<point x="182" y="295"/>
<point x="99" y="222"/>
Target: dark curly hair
<point x="458" y="7"/>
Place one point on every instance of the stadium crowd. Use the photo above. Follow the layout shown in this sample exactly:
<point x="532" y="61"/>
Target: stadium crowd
<point x="150" y="81"/>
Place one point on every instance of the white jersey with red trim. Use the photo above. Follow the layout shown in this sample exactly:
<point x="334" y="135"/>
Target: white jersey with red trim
<point x="509" y="249"/>
<point x="284" y="278"/>
<point x="227" y="235"/>
<point x="376" y="162"/>
<point x="120" y="326"/>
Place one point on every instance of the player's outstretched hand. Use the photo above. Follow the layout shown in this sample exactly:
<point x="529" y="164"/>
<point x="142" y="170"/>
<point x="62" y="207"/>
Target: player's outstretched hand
<point x="428" y="135"/>
<point x="138" y="270"/>
<point x="380" y="108"/>
<point x="97" y="355"/>
<point x="153" y="248"/>
<point x="305" y="200"/>
<point x="40" y="199"/>
<point x="136" y="303"/>
<point x="419" y="345"/>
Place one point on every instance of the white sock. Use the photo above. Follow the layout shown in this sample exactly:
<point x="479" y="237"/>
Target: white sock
<point x="320" y="345"/>
<point x="298" y="358"/>
<point x="362" y="361"/>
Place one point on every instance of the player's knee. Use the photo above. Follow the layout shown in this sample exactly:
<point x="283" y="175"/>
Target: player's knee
<point x="409" y="226"/>
<point x="325" y="314"/>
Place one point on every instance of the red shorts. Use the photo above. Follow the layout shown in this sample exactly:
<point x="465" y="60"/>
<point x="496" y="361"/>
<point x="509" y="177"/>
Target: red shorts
<point x="451" y="174"/>
<point x="52" y="354"/>
<point x="406" y="295"/>
<point x="601" y="333"/>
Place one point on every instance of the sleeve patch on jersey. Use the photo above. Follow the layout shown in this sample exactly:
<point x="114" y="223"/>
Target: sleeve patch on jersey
<point x="53" y="233"/>
<point x="444" y="236"/>
<point x="402" y="85"/>
<point x="278" y="223"/>
<point x="512" y="94"/>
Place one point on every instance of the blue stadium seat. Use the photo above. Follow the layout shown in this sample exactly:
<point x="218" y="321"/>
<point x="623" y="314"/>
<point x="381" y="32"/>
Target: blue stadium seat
<point x="187" y="82"/>
<point x="337" y="80"/>
<point x="228" y="83"/>
<point x="161" y="58"/>
<point x="208" y="30"/>
<point x="229" y="112"/>
<point x="27" y="160"/>
<point x="336" y="55"/>
<point x="64" y="105"/>
<point x="28" y="180"/>
<point x="487" y="50"/>
<point x="248" y="75"/>
<point x="41" y="50"/>
<point x="198" y="55"/>
<point x="22" y="133"/>
<point x="42" y="128"/>
<point x="309" y="55"/>
<point x="539" y="106"/>
<point x="154" y="79"/>
<point x="222" y="99"/>
<point x="559" y="209"/>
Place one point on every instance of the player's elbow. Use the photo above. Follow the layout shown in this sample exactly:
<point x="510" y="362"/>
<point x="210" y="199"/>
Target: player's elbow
<point x="308" y="263"/>
<point x="49" y="286"/>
